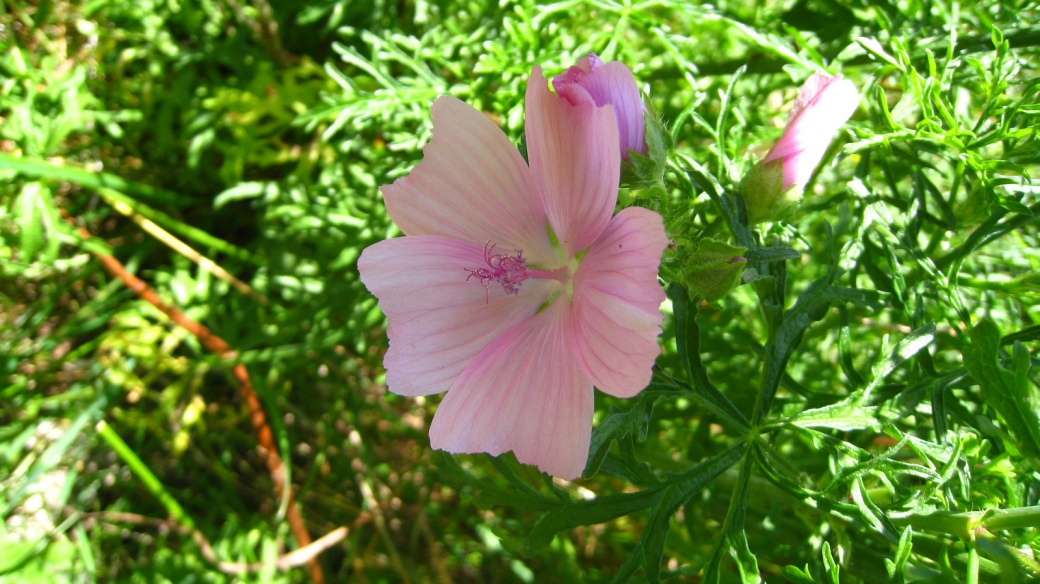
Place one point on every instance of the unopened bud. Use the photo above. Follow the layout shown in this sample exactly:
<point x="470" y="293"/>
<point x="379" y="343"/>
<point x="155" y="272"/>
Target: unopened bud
<point x="591" y="80"/>
<point x="773" y="187"/>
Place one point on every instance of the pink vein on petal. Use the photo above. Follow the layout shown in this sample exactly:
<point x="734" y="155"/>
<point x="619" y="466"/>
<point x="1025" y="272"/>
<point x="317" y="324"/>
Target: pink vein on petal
<point x="523" y="393"/>
<point x="472" y="184"/>
<point x="616" y="303"/>
<point x="437" y="321"/>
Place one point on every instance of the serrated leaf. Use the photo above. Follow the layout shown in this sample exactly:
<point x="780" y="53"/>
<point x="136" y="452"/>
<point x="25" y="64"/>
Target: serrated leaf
<point x="1004" y="390"/>
<point x="490" y="494"/>
<point x="734" y="537"/>
<point x="645" y="170"/>
<point x="905" y="349"/>
<point x="608" y="430"/>
<point x="589" y="512"/>
<point x="632" y="470"/>
<point x="687" y="343"/>
<point x="881" y="463"/>
<point x="845" y="351"/>
<point x="871" y="513"/>
<point x="676" y="495"/>
<point x="617" y="425"/>
<point x="811" y="306"/>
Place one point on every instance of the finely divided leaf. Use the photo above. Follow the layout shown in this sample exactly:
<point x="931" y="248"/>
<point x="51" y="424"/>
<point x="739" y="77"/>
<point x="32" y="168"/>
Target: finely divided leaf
<point x="675" y="496"/>
<point x="598" y="510"/>
<point x="1005" y="390"/>
<point x="687" y="343"/>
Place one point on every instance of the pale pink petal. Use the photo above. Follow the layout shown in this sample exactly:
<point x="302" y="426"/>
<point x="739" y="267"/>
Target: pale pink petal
<point x="472" y="184"/>
<point x="823" y="105"/>
<point x="810" y="90"/>
<point x="523" y="393"/>
<point x="608" y="84"/>
<point x="437" y="320"/>
<point x="616" y="314"/>
<point x="575" y="159"/>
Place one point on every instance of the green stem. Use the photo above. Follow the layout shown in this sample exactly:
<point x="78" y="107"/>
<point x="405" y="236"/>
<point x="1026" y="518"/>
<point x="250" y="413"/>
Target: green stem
<point x="141" y="470"/>
<point x="963" y="525"/>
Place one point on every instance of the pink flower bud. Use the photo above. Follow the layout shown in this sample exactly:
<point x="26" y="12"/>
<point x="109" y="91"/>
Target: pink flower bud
<point x="823" y="105"/>
<point x="593" y="81"/>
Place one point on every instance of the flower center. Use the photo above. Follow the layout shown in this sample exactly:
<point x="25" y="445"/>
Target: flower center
<point x="510" y="271"/>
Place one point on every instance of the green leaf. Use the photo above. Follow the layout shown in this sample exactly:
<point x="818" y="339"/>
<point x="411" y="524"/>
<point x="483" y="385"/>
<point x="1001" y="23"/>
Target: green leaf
<point x="489" y="493"/>
<point x="241" y="191"/>
<point x="688" y="343"/>
<point x="714" y="269"/>
<point x="648" y="171"/>
<point x="589" y="512"/>
<point x="734" y="537"/>
<point x="845" y="351"/>
<point x="896" y="567"/>
<point x="1005" y="390"/>
<point x="796" y="576"/>
<point x="52" y="455"/>
<point x="831" y="568"/>
<point x="811" y="306"/>
<point x="847" y="414"/>
<point x="871" y="513"/>
<point x="617" y="425"/>
<point x="676" y="495"/>
<point x="772" y="254"/>
<point x="627" y="467"/>
<point x="30" y="221"/>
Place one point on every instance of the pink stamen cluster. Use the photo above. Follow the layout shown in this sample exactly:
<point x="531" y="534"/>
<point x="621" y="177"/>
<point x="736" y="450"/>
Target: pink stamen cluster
<point x="510" y="271"/>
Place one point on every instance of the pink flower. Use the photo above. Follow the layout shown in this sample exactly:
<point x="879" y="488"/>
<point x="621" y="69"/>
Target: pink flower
<point x="514" y="289"/>
<point x="591" y="80"/>
<point x="823" y="105"/>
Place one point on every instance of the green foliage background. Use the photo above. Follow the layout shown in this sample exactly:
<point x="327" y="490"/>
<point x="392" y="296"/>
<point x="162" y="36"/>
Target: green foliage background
<point x="904" y="369"/>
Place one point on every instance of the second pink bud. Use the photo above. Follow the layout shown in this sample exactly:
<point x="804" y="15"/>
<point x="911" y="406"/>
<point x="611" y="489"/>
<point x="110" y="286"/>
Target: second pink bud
<point x="591" y="80"/>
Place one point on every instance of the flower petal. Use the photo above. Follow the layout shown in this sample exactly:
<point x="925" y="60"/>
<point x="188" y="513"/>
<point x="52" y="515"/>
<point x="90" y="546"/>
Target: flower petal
<point x="438" y="322"/>
<point x="523" y="393"/>
<point x="617" y="301"/>
<point x="575" y="159"/>
<point x="472" y="184"/>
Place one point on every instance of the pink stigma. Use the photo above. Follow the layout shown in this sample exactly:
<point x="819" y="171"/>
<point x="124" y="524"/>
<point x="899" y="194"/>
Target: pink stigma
<point x="509" y="271"/>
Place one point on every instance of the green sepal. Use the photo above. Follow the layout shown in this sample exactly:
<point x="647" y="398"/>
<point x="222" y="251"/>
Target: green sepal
<point x="647" y="171"/>
<point x="764" y="195"/>
<point x="714" y="269"/>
